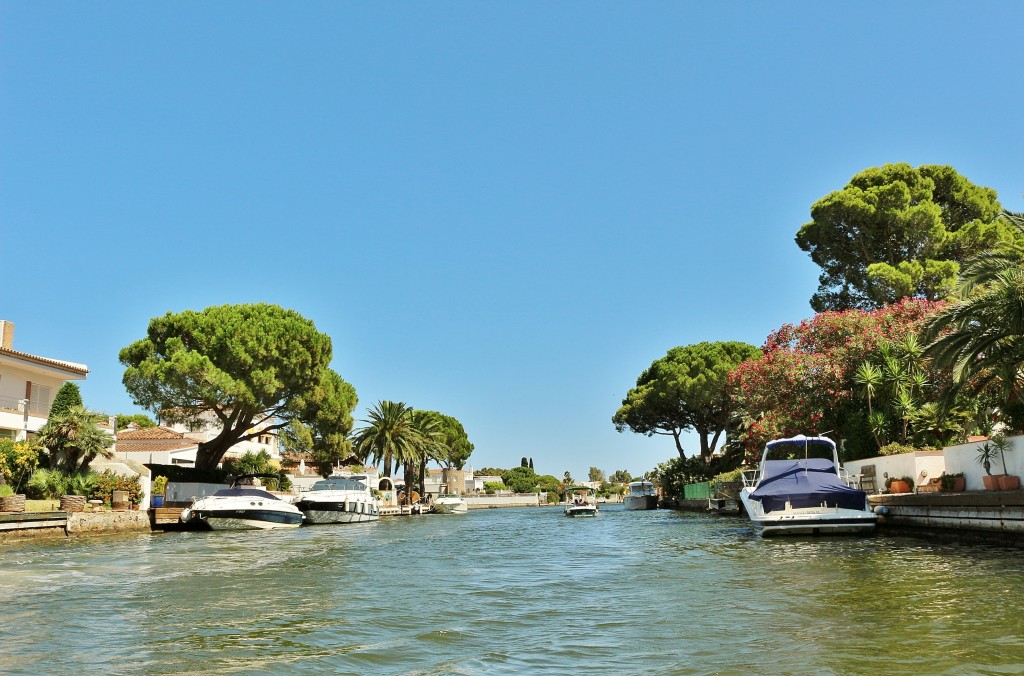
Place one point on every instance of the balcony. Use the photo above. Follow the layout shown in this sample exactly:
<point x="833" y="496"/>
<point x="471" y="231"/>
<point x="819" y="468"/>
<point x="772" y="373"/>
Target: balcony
<point x="35" y="408"/>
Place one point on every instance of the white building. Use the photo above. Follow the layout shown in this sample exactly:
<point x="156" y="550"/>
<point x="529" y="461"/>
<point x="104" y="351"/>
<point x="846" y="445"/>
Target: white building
<point x="210" y="427"/>
<point x="156" y="445"/>
<point x="27" y="386"/>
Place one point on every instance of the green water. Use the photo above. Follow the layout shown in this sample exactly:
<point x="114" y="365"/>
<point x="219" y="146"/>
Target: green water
<point x="510" y="591"/>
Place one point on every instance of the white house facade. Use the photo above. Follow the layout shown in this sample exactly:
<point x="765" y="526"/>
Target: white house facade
<point x="28" y="384"/>
<point x="265" y="440"/>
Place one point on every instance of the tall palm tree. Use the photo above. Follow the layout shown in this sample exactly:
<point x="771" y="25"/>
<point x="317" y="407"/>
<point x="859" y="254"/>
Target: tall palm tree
<point x="74" y="440"/>
<point x="388" y="437"/>
<point x="981" y="337"/>
<point x="870" y="377"/>
<point x="430" y="443"/>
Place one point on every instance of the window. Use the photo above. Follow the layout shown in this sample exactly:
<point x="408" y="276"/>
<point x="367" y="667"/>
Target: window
<point x="39" y="400"/>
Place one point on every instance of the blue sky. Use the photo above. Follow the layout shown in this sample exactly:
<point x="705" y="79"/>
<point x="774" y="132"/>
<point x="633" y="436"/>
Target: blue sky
<point x="503" y="211"/>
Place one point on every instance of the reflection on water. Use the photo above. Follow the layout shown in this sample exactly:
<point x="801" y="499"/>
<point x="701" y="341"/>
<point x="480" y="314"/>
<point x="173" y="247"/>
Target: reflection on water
<point x="516" y="590"/>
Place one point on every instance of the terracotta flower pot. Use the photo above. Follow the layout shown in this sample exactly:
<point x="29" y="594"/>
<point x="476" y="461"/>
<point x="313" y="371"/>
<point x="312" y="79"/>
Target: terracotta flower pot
<point x="959" y="484"/>
<point x="898" y="486"/>
<point x="1008" y="483"/>
<point x="991" y="482"/>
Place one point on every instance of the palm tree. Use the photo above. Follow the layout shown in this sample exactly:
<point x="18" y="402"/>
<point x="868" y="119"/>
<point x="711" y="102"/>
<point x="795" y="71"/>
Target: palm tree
<point x="388" y="437"/>
<point x="430" y="444"/>
<point x="74" y="440"/>
<point x="981" y="337"/>
<point x="870" y="377"/>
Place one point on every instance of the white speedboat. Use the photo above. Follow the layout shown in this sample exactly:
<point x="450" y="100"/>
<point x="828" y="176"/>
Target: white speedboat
<point x="798" y="494"/>
<point x="580" y="501"/>
<point x="449" y="503"/>
<point x="339" y="500"/>
<point x="242" y="507"/>
<point x="641" y="495"/>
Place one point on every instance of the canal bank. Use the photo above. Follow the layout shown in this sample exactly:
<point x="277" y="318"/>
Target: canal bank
<point x="17" y="525"/>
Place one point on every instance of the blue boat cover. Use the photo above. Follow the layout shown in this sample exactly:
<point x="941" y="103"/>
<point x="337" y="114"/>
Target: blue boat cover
<point x="808" y="482"/>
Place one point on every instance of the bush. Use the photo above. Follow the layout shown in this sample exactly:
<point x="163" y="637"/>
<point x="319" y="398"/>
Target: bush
<point x="46" y="484"/>
<point x="82" y="483"/>
<point x="896" y="449"/>
<point x="159" y="485"/>
<point x="492" y="487"/>
<point x="17" y="461"/>
<point x="6" y="491"/>
<point x="108" y="482"/>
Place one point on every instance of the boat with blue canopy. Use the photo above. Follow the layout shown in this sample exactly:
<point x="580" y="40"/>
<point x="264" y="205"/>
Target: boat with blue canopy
<point x="802" y="493"/>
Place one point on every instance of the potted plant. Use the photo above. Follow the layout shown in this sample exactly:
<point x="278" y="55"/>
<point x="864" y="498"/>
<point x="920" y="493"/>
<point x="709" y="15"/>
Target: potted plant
<point x="1006" y="481"/>
<point x="904" y="484"/>
<point x="986" y="454"/>
<point x="159" y="486"/>
<point x="953" y="483"/>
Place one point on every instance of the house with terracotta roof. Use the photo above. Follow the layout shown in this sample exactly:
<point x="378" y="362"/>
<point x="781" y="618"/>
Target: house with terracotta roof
<point x="156" y="445"/>
<point x="28" y="384"/>
<point x="210" y="427"/>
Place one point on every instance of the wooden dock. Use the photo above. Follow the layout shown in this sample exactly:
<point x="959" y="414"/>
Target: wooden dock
<point x="12" y="521"/>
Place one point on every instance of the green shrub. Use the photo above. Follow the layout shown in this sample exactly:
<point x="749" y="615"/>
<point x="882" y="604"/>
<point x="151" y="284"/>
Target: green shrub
<point x="108" y="482"/>
<point x="46" y="484"/>
<point x="82" y="483"/>
<point x="17" y="460"/>
<point x="5" y="491"/>
<point x="159" y="485"/>
<point x="896" y="449"/>
<point x="729" y="477"/>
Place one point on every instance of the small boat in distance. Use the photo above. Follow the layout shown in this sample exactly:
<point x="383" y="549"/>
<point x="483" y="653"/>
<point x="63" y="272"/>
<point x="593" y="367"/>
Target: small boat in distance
<point x="641" y="495"/>
<point x="580" y="501"/>
<point x="806" y="495"/>
<point x="243" y="506"/>
<point x="339" y="499"/>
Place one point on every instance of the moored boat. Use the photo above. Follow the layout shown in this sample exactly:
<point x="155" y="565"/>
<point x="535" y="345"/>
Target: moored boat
<point x="243" y="507"/>
<point x="449" y="503"/>
<point x="339" y="500"/>
<point x="805" y="495"/>
<point x="641" y="495"/>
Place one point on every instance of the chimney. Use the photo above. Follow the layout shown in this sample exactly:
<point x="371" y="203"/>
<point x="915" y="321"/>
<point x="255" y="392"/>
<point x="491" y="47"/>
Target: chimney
<point x="6" y="334"/>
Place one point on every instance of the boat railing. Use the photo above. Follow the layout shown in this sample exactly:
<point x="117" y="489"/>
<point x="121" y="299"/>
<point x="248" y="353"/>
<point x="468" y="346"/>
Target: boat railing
<point x="750" y="477"/>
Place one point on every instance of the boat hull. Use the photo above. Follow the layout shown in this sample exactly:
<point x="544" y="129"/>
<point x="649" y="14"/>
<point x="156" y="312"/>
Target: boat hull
<point x="243" y="519"/>
<point x="640" y="502"/>
<point x="447" y="508"/>
<point x="338" y="511"/>
<point x="809" y="521"/>
<point x="581" y="510"/>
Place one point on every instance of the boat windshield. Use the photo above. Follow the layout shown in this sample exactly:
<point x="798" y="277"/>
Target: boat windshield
<point x="338" y="485"/>
<point x="245" y="492"/>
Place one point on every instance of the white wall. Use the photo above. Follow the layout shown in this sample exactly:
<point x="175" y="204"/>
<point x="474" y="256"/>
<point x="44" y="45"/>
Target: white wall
<point x="919" y="465"/>
<point x="964" y="458"/>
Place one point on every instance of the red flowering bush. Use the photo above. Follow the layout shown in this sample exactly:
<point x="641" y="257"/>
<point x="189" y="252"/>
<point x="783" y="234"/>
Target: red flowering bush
<point x="803" y="383"/>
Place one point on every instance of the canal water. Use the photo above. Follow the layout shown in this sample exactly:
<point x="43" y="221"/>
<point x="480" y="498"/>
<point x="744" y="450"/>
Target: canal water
<point x="510" y="591"/>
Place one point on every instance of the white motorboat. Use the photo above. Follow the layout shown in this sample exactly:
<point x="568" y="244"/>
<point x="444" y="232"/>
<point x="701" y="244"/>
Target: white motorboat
<point x="580" y="501"/>
<point x="449" y="503"/>
<point x="242" y="507"/>
<point x="339" y="500"/>
<point x="798" y="494"/>
<point x="641" y="495"/>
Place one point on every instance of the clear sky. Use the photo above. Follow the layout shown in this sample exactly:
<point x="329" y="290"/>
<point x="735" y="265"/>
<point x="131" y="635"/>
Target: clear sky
<point x="503" y="211"/>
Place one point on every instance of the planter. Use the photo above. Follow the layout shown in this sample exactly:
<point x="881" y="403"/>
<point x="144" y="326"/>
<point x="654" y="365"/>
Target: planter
<point x="959" y="484"/>
<point x="1008" y="483"/>
<point x="12" y="503"/>
<point x="899" y="486"/>
<point x="156" y="501"/>
<point x="991" y="482"/>
<point x="72" y="503"/>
